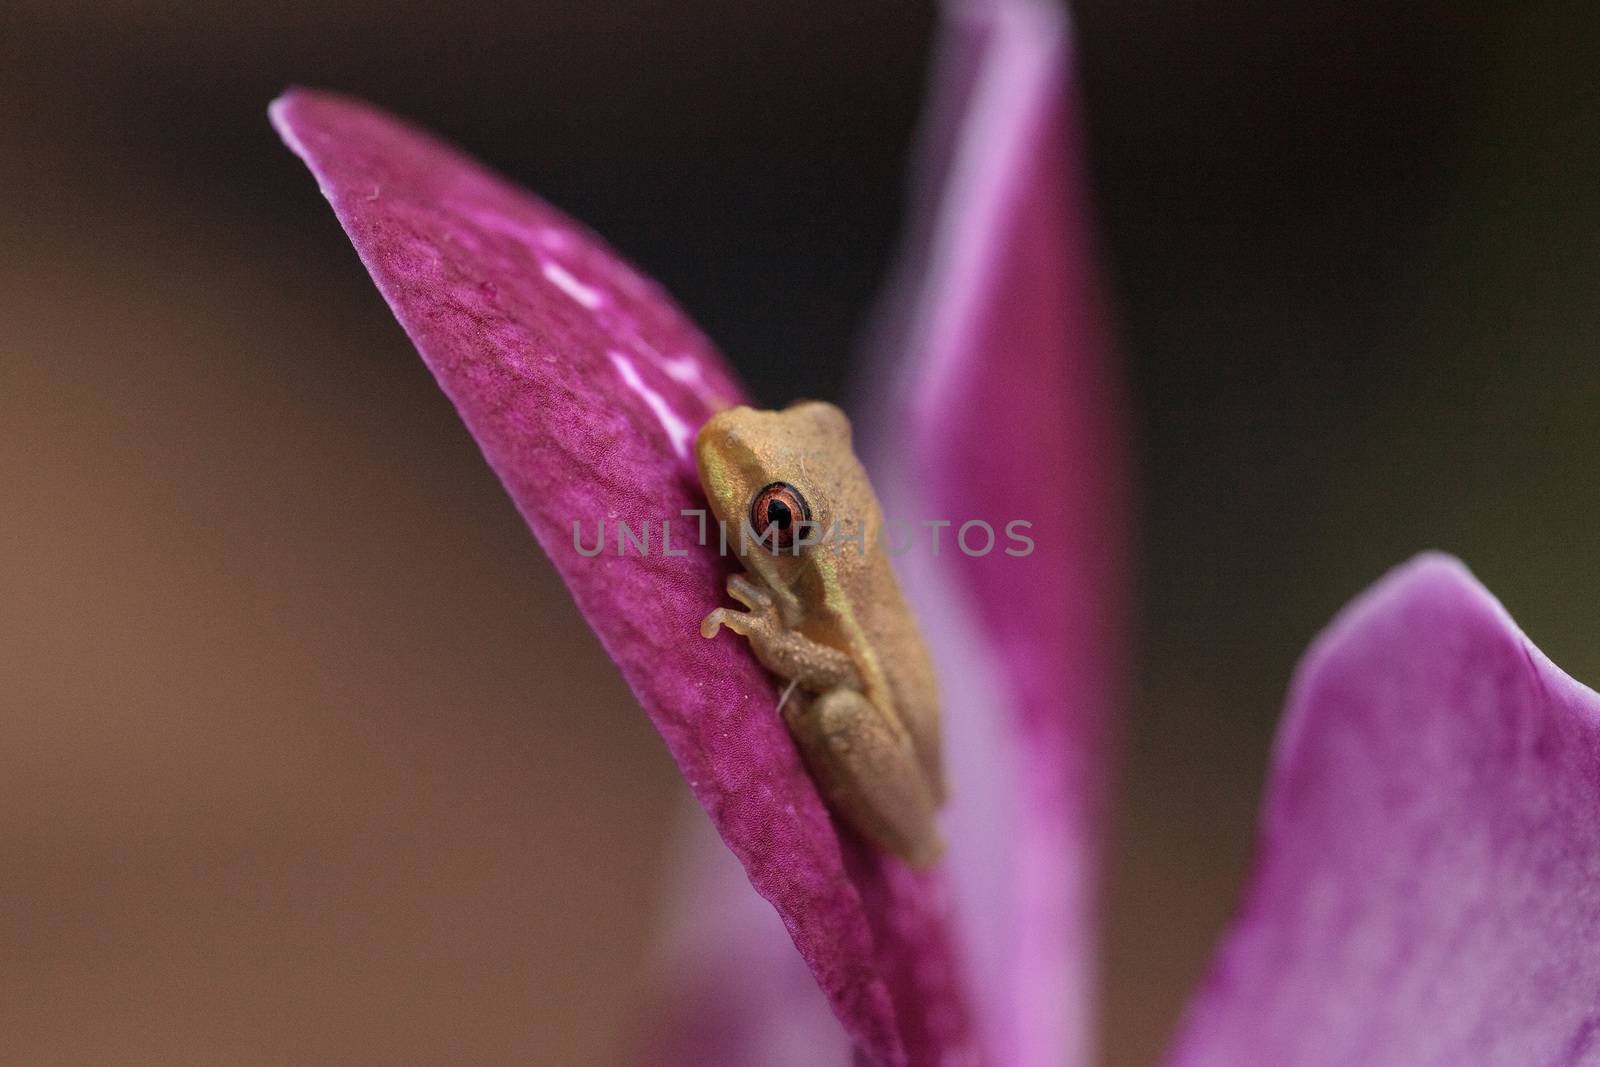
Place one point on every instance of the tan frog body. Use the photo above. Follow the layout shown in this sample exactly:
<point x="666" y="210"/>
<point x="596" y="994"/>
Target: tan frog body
<point x="826" y="614"/>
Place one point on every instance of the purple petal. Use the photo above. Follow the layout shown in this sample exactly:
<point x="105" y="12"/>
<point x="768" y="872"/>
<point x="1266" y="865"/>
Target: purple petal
<point x="1006" y="407"/>
<point x="728" y="985"/>
<point x="1427" y="886"/>
<point x="583" y="385"/>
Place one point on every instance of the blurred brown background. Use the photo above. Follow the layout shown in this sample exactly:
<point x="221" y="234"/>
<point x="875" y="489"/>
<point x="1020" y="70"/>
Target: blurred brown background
<point x="305" y="755"/>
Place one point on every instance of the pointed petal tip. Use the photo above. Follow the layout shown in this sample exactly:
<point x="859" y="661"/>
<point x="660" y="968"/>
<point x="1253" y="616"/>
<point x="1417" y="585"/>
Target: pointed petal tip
<point x="280" y="111"/>
<point x="1431" y="576"/>
<point x="1428" y="573"/>
<point x="278" y="114"/>
<point x="1432" y="582"/>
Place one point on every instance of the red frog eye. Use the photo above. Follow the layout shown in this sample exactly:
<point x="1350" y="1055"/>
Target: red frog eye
<point x="780" y="508"/>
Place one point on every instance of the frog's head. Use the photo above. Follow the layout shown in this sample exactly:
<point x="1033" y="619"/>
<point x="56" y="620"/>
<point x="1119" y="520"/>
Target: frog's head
<point x="779" y="473"/>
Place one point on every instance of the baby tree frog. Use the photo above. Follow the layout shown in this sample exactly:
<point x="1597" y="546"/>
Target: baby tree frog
<point x="823" y="611"/>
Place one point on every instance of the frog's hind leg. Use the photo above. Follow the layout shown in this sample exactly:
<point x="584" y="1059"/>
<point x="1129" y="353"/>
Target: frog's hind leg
<point x="870" y="773"/>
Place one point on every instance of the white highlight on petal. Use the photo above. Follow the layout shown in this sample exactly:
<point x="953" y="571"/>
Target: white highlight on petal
<point x="586" y="295"/>
<point x="689" y="370"/>
<point x="677" y="430"/>
<point x="685" y="369"/>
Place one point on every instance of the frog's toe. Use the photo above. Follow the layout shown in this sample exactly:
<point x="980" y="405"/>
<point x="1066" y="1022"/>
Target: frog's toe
<point x="748" y="593"/>
<point x="738" y="621"/>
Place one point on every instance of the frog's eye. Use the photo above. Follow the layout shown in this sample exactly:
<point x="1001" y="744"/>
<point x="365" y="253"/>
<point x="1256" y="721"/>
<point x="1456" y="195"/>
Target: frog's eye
<point x="780" y="509"/>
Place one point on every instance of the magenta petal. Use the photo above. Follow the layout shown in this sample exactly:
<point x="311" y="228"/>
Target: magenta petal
<point x="728" y="986"/>
<point x="1427" y="886"/>
<point x="1006" y="407"/>
<point x="583" y="385"/>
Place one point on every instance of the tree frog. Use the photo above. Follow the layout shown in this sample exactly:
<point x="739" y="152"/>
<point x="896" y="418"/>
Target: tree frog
<point x="824" y="612"/>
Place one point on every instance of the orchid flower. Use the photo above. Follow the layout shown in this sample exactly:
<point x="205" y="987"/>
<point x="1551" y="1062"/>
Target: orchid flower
<point x="1427" y="887"/>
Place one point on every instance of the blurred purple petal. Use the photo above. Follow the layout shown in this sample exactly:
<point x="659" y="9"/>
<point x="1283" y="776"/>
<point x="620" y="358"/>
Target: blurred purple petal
<point x="991" y="396"/>
<point x="1005" y="406"/>
<point x="1427" y="886"/>
<point x="583" y="385"/>
<point x="730" y="988"/>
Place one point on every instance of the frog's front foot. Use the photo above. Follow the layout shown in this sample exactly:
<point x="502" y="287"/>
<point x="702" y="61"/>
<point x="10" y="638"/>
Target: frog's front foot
<point x="761" y="620"/>
<point x="755" y="597"/>
<point x="785" y="652"/>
